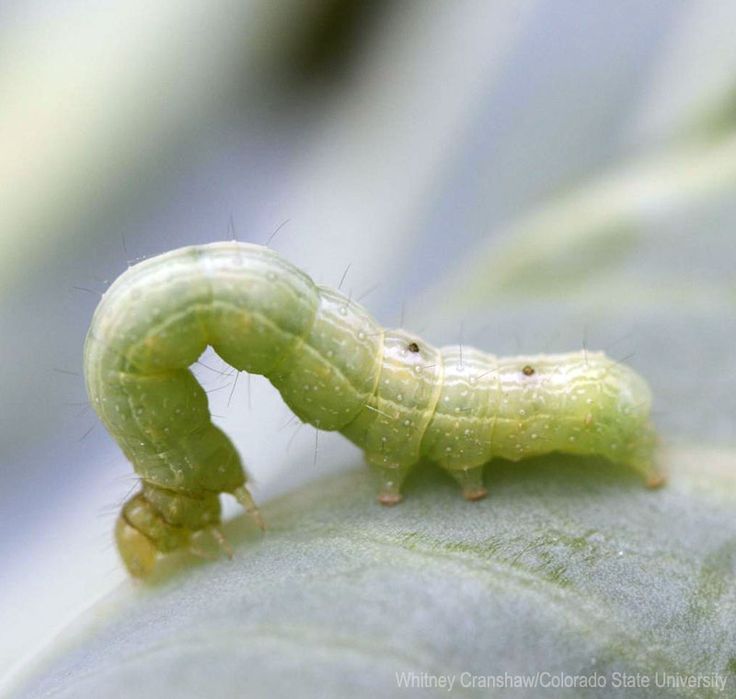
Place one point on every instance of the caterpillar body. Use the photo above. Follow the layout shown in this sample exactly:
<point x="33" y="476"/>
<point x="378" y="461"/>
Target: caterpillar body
<point x="392" y="394"/>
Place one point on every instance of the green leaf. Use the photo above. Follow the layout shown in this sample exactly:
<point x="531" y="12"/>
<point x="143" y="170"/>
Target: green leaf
<point x="569" y="565"/>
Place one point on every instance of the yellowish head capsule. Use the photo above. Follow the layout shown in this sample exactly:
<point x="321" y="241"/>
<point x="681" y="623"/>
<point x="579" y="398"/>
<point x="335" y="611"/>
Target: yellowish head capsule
<point x="137" y="550"/>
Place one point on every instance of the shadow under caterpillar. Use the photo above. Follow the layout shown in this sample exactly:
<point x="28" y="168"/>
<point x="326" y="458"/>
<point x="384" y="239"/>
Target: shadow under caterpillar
<point x="392" y="394"/>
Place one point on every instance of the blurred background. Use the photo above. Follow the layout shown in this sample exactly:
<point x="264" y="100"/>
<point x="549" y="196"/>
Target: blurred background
<point x="523" y="176"/>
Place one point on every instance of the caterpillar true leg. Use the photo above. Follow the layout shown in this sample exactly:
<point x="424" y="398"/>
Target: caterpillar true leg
<point x="243" y="496"/>
<point x="201" y="553"/>
<point x="219" y="536"/>
<point x="390" y="392"/>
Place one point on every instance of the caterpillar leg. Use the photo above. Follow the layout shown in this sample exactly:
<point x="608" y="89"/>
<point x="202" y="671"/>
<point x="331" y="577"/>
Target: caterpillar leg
<point x="648" y="467"/>
<point x="646" y="461"/>
<point x="243" y="496"/>
<point x="653" y="476"/>
<point x="391" y="478"/>
<point x="219" y="536"/>
<point x="655" y="480"/>
<point x="200" y="553"/>
<point x="470" y="480"/>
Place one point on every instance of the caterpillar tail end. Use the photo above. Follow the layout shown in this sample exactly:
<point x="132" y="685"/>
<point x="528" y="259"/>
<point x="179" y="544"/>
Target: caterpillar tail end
<point x="648" y="462"/>
<point x="648" y="468"/>
<point x="137" y="550"/>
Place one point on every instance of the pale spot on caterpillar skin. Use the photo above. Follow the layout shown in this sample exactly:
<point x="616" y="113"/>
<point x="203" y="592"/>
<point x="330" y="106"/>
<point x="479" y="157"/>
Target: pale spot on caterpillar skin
<point x="394" y="395"/>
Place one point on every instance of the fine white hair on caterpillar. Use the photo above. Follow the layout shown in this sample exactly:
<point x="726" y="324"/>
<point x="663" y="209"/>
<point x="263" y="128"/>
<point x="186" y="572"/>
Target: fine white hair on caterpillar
<point x="392" y="394"/>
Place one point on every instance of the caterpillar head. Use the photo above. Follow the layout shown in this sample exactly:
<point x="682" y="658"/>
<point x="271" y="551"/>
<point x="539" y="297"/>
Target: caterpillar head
<point x="135" y="548"/>
<point x="156" y="521"/>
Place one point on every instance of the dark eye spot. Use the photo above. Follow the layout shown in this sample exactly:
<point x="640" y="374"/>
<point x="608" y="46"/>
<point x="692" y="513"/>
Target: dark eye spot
<point x="527" y="370"/>
<point x="413" y="347"/>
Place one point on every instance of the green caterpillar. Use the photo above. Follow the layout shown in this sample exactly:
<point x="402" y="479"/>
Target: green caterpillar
<point x="395" y="396"/>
